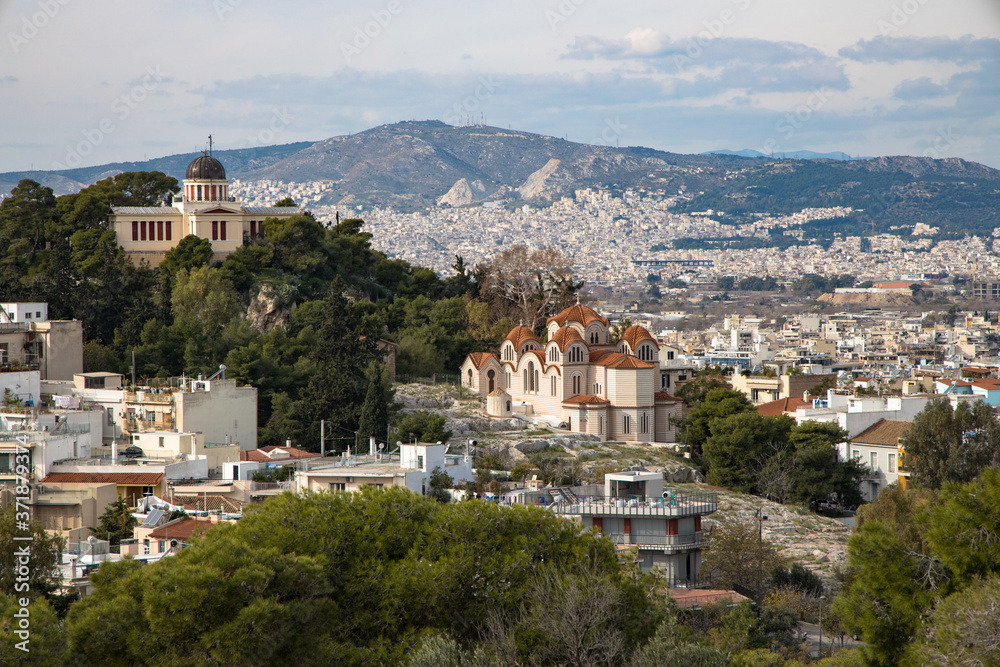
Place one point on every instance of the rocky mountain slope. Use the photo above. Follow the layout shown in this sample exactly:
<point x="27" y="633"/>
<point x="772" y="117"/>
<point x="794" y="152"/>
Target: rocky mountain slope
<point x="421" y="164"/>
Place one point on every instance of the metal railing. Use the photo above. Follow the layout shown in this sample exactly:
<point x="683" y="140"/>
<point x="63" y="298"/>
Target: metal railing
<point x="657" y="541"/>
<point x="672" y="504"/>
<point x="147" y="397"/>
<point x="270" y="486"/>
<point x="345" y="461"/>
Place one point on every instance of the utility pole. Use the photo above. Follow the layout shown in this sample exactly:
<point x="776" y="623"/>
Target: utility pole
<point x="761" y="518"/>
<point x="819" y="654"/>
<point x="322" y="438"/>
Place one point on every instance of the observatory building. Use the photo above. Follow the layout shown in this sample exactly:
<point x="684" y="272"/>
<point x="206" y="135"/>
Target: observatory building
<point x="202" y="208"/>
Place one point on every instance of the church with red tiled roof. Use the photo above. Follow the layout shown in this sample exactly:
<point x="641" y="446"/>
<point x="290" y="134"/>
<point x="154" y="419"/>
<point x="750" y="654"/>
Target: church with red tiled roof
<point x="578" y="379"/>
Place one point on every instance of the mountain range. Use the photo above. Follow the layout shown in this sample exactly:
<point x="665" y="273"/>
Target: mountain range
<point x="419" y="164"/>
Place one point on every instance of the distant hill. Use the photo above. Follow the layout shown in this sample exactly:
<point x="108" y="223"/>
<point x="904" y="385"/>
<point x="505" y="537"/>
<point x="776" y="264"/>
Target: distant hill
<point x="412" y="164"/>
<point x="795" y="155"/>
<point x="422" y="164"/>
<point x="237" y="163"/>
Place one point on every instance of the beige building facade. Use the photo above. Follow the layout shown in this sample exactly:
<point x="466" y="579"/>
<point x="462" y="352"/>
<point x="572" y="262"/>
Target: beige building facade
<point x="30" y="341"/>
<point x="203" y="208"/>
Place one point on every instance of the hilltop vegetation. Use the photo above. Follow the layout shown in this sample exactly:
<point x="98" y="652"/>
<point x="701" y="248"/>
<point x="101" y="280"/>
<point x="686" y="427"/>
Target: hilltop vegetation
<point x="298" y="313"/>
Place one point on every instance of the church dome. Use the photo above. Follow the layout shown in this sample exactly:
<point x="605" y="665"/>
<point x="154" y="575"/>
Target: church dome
<point x="582" y="315"/>
<point x="635" y="334"/>
<point x="206" y="167"/>
<point x="564" y="337"/>
<point x="520" y="335"/>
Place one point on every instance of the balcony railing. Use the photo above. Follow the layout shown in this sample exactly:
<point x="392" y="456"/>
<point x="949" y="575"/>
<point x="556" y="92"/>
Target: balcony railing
<point x="665" y="542"/>
<point x="673" y="504"/>
<point x="270" y="486"/>
<point x="132" y="425"/>
<point x="148" y="397"/>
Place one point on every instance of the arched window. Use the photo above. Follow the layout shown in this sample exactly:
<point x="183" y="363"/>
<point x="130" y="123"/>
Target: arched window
<point x="491" y="374"/>
<point x="626" y="424"/>
<point x="576" y="385"/>
<point x="594" y="338"/>
<point x="530" y="377"/>
<point x="553" y="383"/>
<point x="470" y="377"/>
<point x="644" y="422"/>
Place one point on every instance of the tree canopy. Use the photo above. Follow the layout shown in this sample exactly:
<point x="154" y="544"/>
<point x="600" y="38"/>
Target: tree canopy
<point x="364" y="576"/>
<point x="946" y="444"/>
<point x="920" y="567"/>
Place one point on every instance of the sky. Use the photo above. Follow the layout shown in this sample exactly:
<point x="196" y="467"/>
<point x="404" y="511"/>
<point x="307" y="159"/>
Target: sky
<point x="87" y="83"/>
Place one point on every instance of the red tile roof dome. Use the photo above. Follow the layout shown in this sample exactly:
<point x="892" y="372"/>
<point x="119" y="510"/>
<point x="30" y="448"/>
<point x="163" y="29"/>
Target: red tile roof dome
<point x="565" y="337"/>
<point x="520" y="335"/>
<point x="580" y="314"/>
<point x="635" y="334"/>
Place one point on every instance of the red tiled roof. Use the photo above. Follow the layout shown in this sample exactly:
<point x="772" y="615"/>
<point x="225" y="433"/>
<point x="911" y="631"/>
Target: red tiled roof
<point x="883" y="432"/>
<point x="580" y="314"/>
<point x="520" y="335"/>
<point x="781" y="406"/>
<point x="986" y="383"/>
<point x="687" y="598"/>
<point x="663" y="396"/>
<point x="628" y="361"/>
<point x="480" y="358"/>
<point x="262" y="454"/>
<point x="595" y="355"/>
<point x="119" y="478"/>
<point x="538" y="353"/>
<point x="620" y="360"/>
<point x="635" y="334"/>
<point x="564" y="337"/>
<point x="585" y="398"/>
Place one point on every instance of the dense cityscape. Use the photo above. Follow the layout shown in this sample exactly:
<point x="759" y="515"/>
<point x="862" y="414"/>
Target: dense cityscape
<point x="606" y="236"/>
<point x="522" y="334"/>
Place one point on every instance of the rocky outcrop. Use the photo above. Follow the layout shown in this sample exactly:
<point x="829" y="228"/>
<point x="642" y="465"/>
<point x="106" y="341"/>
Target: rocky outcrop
<point x="270" y="307"/>
<point x="463" y="193"/>
<point x="535" y="186"/>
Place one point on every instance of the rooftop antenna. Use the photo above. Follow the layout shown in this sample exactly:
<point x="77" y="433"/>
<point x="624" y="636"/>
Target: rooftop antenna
<point x="210" y="144"/>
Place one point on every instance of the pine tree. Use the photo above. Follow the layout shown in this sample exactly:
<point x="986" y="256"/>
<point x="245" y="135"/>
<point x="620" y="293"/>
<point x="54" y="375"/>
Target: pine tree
<point x="374" y="420"/>
<point x="336" y="390"/>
